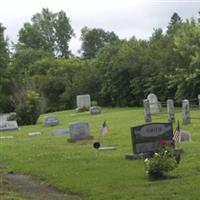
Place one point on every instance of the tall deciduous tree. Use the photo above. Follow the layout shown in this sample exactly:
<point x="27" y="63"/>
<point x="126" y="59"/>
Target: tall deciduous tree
<point x="94" y="39"/>
<point x="49" y="31"/>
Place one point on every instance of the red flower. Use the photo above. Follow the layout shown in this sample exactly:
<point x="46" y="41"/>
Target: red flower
<point x="161" y="142"/>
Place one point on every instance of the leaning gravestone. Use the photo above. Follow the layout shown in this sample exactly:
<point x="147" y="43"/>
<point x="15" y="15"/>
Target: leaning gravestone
<point x="153" y="103"/>
<point x="94" y="110"/>
<point x="51" y="121"/>
<point x="83" y="102"/>
<point x="147" y="138"/>
<point x="79" y="131"/>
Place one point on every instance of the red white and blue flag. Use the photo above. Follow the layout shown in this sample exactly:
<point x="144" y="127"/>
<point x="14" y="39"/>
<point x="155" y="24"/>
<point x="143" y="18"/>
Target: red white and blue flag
<point x="104" y="128"/>
<point x="177" y="135"/>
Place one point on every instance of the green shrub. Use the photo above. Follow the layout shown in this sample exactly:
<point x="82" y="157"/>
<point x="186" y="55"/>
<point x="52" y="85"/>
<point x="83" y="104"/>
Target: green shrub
<point x="29" y="112"/>
<point x="161" y="162"/>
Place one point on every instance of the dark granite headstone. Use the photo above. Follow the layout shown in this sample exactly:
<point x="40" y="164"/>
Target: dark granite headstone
<point x="147" y="138"/>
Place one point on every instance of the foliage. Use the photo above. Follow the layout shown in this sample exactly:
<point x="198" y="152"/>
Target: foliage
<point x="162" y="162"/>
<point x="29" y="112"/>
<point x="95" y="39"/>
<point x="4" y="78"/>
<point x="48" y="31"/>
<point x="114" y="72"/>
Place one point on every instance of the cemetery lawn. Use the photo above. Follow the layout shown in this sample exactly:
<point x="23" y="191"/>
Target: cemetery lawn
<point x="101" y="175"/>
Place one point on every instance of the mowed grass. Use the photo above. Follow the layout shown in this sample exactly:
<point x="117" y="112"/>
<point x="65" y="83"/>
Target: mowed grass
<point x="102" y="175"/>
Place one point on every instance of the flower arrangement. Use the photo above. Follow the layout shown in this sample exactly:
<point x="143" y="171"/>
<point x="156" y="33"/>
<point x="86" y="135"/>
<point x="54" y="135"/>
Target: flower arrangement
<point x="161" y="162"/>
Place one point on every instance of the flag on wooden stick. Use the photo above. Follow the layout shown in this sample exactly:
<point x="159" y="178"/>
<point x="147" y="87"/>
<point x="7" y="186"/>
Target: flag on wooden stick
<point x="177" y="135"/>
<point x="104" y="128"/>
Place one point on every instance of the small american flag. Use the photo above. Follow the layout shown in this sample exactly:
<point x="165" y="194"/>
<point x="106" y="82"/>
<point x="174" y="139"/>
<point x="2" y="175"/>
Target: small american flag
<point x="104" y="128"/>
<point x="177" y="135"/>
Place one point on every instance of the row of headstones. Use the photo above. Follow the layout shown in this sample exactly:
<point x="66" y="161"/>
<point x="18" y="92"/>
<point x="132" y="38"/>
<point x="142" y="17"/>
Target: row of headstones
<point x="76" y="130"/>
<point x="170" y="110"/>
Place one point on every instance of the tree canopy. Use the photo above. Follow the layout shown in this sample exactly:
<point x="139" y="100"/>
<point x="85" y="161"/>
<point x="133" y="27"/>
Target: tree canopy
<point x="48" y="31"/>
<point x="114" y="72"/>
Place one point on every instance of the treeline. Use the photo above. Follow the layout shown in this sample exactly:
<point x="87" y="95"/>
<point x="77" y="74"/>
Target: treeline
<point x="114" y="72"/>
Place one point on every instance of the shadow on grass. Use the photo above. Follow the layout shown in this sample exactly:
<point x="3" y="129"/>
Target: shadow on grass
<point x="163" y="178"/>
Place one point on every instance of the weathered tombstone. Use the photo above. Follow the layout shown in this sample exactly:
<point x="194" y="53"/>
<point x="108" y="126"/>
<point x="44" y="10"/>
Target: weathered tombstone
<point x="83" y="102"/>
<point x="153" y="103"/>
<point x="147" y="113"/>
<point x="199" y="99"/>
<point x="94" y="110"/>
<point x="8" y="125"/>
<point x="61" y="132"/>
<point x="51" y="121"/>
<point x="170" y="110"/>
<point x="79" y="131"/>
<point x="185" y="137"/>
<point x="147" y="138"/>
<point x="186" y="112"/>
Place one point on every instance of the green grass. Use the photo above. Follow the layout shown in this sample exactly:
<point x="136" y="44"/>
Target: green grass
<point x="101" y="175"/>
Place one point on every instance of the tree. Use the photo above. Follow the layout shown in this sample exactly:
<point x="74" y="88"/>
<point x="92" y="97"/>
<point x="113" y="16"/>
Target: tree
<point x="94" y="39"/>
<point x="174" y="22"/>
<point x="48" y="31"/>
<point x="4" y="79"/>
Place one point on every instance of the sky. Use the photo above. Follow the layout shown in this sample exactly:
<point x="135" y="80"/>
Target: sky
<point x="126" y="18"/>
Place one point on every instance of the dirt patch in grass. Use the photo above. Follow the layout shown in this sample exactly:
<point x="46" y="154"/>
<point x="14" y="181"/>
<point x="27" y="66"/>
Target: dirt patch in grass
<point x="32" y="188"/>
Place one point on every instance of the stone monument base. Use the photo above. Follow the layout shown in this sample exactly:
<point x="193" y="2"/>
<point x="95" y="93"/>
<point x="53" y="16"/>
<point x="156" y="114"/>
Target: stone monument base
<point x="136" y="156"/>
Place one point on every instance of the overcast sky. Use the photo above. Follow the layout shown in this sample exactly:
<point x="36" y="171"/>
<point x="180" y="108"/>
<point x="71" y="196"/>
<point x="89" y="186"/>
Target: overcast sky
<point x="126" y="18"/>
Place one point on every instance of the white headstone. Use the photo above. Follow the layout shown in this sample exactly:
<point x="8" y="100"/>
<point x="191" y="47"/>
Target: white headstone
<point x="8" y="125"/>
<point x="153" y="103"/>
<point x="83" y="101"/>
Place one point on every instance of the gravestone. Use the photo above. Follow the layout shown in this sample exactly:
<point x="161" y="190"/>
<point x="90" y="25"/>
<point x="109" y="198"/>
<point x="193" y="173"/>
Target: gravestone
<point x="153" y="103"/>
<point x="61" y="132"/>
<point x="199" y="99"/>
<point x="147" y="138"/>
<point x="79" y="131"/>
<point x="147" y="113"/>
<point x="185" y="137"/>
<point x="95" y="110"/>
<point x="51" y="121"/>
<point x="8" y="125"/>
<point x="83" y="102"/>
<point x="186" y="112"/>
<point x="170" y="110"/>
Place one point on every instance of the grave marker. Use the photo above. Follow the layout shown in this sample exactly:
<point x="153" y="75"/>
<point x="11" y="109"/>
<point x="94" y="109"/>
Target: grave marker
<point x="186" y="112"/>
<point x="83" y="102"/>
<point x="51" y="121"/>
<point x="170" y="110"/>
<point x="147" y="138"/>
<point x="153" y="103"/>
<point x="79" y="131"/>
<point x="147" y="113"/>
